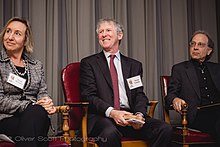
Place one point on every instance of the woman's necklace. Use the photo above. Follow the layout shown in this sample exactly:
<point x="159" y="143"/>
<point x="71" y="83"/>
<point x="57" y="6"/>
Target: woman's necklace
<point x="16" y="71"/>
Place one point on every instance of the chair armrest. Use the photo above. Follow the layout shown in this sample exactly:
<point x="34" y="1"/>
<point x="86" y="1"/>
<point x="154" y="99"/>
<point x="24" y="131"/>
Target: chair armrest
<point x="64" y="110"/>
<point x="152" y="105"/>
<point x="77" y="104"/>
<point x="170" y="107"/>
<point x="209" y="106"/>
<point x="84" y="105"/>
<point x="184" y="120"/>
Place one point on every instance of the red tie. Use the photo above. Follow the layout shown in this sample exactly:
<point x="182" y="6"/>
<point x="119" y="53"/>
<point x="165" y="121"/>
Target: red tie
<point x="114" y="82"/>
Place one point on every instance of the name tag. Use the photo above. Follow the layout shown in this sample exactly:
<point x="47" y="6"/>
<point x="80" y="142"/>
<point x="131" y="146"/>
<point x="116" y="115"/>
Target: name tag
<point x="16" y="80"/>
<point x="134" y="82"/>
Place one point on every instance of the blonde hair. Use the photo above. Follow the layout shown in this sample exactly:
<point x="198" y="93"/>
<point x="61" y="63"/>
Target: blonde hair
<point x="28" y="34"/>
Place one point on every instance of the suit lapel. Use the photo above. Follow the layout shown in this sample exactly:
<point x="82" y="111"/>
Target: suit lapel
<point x="191" y="73"/>
<point x="103" y="65"/>
<point x="125" y="65"/>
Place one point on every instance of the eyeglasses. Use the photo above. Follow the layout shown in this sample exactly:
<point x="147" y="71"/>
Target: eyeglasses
<point x="199" y="44"/>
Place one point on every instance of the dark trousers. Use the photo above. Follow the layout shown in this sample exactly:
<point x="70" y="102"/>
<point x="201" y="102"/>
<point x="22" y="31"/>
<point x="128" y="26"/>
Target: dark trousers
<point x="28" y="128"/>
<point x="107" y="134"/>
<point x="208" y="120"/>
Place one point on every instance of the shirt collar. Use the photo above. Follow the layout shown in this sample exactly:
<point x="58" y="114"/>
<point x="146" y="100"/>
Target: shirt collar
<point x="107" y="54"/>
<point x="197" y="63"/>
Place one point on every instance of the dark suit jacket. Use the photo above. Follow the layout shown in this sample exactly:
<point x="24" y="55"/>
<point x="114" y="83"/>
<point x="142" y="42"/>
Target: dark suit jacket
<point x="184" y="84"/>
<point x="96" y="86"/>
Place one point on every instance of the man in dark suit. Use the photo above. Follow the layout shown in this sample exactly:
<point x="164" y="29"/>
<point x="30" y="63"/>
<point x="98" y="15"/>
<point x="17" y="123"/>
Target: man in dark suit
<point x="106" y="122"/>
<point x="197" y="83"/>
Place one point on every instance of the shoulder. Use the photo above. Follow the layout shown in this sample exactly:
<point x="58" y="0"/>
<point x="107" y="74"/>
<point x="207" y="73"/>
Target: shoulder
<point x="90" y="57"/>
<point x="184" y="64"/>
<point x="181" y="63"/>
<point x="93" y="59"/>
<point x="213" y="67"/>
<point x="32" y="61"/>
<point x="35" y="64"/>
<point x="213" y="64"/>
<point x="130" y="60"/>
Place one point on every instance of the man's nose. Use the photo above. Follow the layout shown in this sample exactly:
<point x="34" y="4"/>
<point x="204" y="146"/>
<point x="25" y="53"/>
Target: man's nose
<point x="104" y="33"/>
<point x="195" y="48"/>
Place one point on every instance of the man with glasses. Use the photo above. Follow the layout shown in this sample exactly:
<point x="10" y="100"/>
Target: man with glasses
<point x="197" y="83"/>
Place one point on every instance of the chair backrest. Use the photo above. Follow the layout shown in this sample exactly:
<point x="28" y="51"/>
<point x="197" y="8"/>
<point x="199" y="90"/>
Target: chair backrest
<point x="164" y="80"/>
<point x="70" y="82"/>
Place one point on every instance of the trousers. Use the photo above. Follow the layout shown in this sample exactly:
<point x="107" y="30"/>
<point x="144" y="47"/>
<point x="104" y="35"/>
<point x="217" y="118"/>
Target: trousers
<point x="208" y="120"/>
<point x="28" y="128"/>
<point x="107" y="134"/>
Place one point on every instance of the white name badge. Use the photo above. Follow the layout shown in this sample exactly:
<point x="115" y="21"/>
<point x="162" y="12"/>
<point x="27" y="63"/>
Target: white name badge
<point x="134" y="82"/>
<point x="16" y="80"/>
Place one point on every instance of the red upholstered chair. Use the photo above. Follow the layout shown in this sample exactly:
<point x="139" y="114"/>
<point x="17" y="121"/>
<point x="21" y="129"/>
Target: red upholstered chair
<point x="185" y="136"/>
<point x="6" y="144"/>
<point x="58" y="141"/>
<point x="78" y="112"/>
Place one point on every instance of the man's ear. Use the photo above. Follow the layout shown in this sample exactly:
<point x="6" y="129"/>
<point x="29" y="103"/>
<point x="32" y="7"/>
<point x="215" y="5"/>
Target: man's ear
<point x="209" y="51"/>
<point x="120" y="36"/>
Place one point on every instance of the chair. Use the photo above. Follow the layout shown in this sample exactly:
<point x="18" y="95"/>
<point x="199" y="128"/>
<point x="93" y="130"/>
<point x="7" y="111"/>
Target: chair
<point x="78" y="112"/>
<point x="58" y="141"/>
<point x="185" y="136"/>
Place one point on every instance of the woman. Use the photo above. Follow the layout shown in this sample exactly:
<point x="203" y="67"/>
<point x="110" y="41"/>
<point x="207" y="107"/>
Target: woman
<point x="24" y="100"/>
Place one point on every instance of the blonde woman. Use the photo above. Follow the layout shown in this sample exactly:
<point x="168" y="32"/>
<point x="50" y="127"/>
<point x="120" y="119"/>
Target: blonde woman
<point x="24" y="100"/>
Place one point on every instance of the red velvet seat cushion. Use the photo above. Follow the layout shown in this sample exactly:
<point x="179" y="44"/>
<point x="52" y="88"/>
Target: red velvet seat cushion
<point x="193" y="137"/>
<point x="58" y="143"/>
<point x="6" y="144"/>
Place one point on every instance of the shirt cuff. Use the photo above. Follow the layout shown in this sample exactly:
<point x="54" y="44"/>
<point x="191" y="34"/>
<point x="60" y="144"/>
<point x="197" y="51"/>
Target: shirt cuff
<point x="107" y="112"/>
<point x="140" y="114"/>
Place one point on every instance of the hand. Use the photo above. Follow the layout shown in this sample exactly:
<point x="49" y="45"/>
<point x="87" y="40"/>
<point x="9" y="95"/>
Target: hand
<point x="178" y="103"/>
<point x="48" y="105"/>
<point x="135" y="125"/>
<point x="51" y="110"/>
<point x="118" y="117"/>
